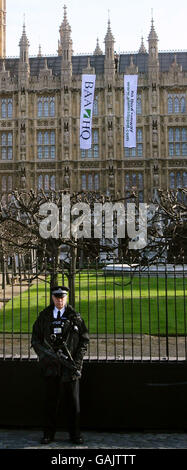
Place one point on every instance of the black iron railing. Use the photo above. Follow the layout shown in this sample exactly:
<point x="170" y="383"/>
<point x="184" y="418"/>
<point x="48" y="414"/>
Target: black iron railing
<point x="133" y="312"/>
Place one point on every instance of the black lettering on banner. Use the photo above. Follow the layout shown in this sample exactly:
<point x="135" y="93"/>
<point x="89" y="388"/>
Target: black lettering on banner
<point x="89" y="84"/>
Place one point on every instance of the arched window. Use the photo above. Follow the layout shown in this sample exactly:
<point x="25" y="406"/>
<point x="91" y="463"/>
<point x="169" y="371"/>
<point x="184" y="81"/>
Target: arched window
<point x="133" y="151"/>
<point x="53" y="152"/>
<point x="46" y="145"/>
<point x="52" y="107"/>
<point x="96" y="182"/>
<point x="40" y="153"/>
<point x="171" y="150"/>
<point x="9" y="183"/>
<point x="40" y="108"/>
<point x="40" y="182"/>
<point x="171" y="135"/>
<point x="46" y="107"/>
<point x="183" y="105"/>
<point x="172" y="181"/>
<point x="95" y="107"/>
<point x="52" y="138"/>
<point x="127" y="181"/>
<point x="179" y="180"/>
<point x="90" y="183"/>
<point x="95" y="151"/>
<point x="10" y="139"/>
<point x="96" y="143"/>
<point x="141" y="196"/>
<point x="184" y="134"/>
<point x="9" y="153"/>
<point x="40" y="138"/>
<point x="134" y="179"/>
<point x="46" y="183"/>
<point x="3" y="183"/>
<point x="184" y="179"/>
<point x="127" y="152"/>
<point x="46" y="138"/>
<point x="96" y="136"/>
<point x="177" y="149"/>
<point x="46" y="151"/>
<point x="139" y="135"/>
<point x="6" y="146"/>
<point x="139" y="105"/>
<point x="3" y="139"/>
<point x="83" y="153"/>
<point x="140" y="180"/>
<point x="10" y="108"/>
<point x="177" y="134"/>
<point x="53" y="182"/>
<point x="140" y="144"/>
<point x="170" y="105"/>
<point x="184" y="149"/>
<point x="83" y="182"/>
<point x="176" y="104"/>
<point x="3" y="153"/>
<point x="3" y="109"/>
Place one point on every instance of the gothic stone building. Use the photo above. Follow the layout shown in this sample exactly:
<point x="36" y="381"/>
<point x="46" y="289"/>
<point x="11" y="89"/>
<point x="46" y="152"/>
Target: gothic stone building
<point x="40" y="118"/>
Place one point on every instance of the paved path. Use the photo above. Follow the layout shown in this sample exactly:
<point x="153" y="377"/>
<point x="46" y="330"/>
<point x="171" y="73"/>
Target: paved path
<point x="30" y="439"/>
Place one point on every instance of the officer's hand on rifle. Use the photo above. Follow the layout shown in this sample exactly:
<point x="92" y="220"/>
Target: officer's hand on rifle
<point x="76" y="375"/>
<point x="60" y="355"/>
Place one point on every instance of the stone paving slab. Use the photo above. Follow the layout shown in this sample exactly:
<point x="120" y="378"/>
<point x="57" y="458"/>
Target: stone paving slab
<point x="30" y="439"/>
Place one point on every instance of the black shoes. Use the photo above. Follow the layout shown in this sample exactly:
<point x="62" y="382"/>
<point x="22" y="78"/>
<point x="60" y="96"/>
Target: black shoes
<point x="77" y="440"/>
<point x="46" y="439"/>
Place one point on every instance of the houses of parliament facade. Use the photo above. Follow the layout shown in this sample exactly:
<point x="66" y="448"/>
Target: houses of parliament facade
<point x="40" y="118"/>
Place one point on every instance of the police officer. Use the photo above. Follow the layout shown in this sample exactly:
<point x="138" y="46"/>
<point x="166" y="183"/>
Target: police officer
<point x="60" y="340"/>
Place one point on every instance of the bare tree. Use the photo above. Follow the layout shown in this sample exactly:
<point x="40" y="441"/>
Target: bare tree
<point x="20" y="222"/>
<point x="20" y="233"/>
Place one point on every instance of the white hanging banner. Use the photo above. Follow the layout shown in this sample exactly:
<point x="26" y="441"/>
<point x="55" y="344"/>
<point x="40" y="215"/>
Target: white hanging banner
<point x="130" y="97"/>
<point x="87" y="100"/>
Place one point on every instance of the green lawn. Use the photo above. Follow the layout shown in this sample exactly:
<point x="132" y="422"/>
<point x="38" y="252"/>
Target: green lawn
<point x="109" y="307"/>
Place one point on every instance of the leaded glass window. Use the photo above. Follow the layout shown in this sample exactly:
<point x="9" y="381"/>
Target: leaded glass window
<point x="6" y="146"/>
<point x="46" y="147"/>
<point x="177" y="141"/>
<point x="46" y="106"/>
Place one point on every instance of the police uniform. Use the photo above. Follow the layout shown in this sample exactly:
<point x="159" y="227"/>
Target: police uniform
<point x="60" y="339"/>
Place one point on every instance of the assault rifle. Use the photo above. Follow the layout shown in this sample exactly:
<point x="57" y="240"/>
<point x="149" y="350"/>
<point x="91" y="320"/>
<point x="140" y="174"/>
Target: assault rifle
<point x="65" y="359"/>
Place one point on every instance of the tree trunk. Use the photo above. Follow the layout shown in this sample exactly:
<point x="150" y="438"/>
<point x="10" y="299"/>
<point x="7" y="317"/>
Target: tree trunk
<point x="72" y="275"/>
<point x="53" y="271"/>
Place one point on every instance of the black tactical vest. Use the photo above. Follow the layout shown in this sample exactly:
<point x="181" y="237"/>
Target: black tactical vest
<point x="59" y="329"/>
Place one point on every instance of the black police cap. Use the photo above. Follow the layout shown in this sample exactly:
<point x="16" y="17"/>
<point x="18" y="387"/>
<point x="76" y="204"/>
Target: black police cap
<point x="60" y="291"/>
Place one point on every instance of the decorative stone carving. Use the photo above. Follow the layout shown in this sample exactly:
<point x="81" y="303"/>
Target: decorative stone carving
<point x="66" y="178"/>
<point x="132" y="68"/>
<point x="23" y="103"/>
<point x="23" y="134"/>
<point x="23" y="178"/>
<point x="111" y="177"/>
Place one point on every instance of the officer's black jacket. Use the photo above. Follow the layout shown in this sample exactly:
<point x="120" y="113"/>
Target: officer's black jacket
<point x="75" y="332"/>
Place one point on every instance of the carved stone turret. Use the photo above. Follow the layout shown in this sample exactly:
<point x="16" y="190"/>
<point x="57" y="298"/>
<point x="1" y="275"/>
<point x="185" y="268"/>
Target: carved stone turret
<point x="142" y="49"/>
<point x="109" y="52"/>
<point x="132" y="69"/>
<point x="24" y="68"/>
<point x="65" y="45"/>
<point x="98" y="50"/>
<point x="4" y="76"/>
<point x="153" y="63"/>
